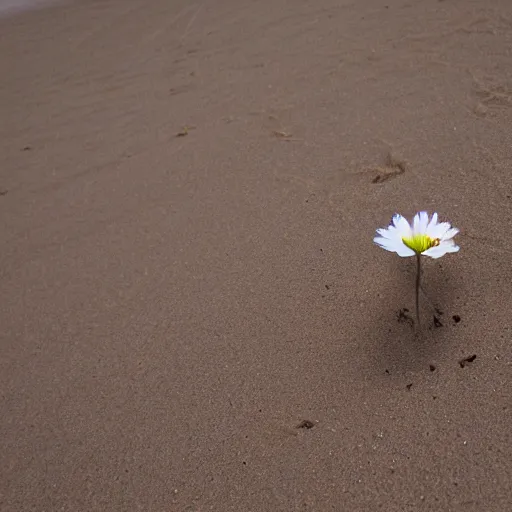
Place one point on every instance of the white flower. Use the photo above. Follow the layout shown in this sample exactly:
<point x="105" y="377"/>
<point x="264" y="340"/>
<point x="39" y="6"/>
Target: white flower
<point x="427" y="237"/>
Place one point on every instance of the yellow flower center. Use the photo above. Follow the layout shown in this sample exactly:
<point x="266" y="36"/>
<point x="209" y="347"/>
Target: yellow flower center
<point x="420" y="243"/>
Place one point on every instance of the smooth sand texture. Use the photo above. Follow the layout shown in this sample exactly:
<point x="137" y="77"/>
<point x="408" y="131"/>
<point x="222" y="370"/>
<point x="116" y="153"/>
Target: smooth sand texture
<point x="9" y="7"/>
<point x="174" y="307"/>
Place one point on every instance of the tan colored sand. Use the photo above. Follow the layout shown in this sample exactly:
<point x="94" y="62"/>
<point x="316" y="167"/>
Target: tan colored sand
<point x="189" y="195"/>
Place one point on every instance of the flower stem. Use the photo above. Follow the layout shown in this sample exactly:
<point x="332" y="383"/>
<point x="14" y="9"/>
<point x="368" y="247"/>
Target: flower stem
<point x="418" y="276"/>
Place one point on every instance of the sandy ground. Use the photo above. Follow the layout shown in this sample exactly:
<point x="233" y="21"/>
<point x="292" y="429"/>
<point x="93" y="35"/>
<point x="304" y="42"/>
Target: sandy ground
<point x="194" y="316"/>
<point x="10" y="7"/>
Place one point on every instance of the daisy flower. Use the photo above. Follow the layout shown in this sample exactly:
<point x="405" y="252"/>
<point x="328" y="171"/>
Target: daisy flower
<point x="426" y="236"/>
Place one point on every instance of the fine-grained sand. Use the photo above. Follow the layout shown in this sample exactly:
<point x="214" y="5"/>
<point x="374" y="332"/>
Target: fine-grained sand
<point x="193" y="314"/>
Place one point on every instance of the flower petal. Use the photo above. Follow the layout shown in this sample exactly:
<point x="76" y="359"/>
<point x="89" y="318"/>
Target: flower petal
<point x="394" y="245"/>
<point x="402" y="226"/>
<point x="389" y="233"/>
<point x="441" y="249"/>
<point x="439" y="230"/>
<point x="386" y="243"/>
<point x="420" y="223"/>
<point x="432" y="223"/>
<point x="404" y="252"/>
<point x="450" y="234"/>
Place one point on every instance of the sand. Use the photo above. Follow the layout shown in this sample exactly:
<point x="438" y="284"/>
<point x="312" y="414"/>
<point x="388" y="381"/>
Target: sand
<point x="194" y="315"/>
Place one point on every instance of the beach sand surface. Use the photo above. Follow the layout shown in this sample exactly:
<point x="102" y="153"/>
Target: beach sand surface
<point x="194" y="315"/>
